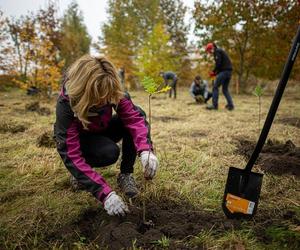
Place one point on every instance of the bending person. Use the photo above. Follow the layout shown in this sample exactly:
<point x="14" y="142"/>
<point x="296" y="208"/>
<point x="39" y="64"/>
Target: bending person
<point x="199" y="90"/>
<point x="86" y="132"/>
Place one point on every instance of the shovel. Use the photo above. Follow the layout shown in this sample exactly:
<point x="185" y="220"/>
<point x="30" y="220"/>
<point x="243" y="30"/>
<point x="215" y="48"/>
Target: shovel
<point x="243" y="186"/>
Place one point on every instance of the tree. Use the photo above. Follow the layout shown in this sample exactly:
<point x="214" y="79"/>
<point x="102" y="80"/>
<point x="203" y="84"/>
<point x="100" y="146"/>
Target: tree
<point x="75" y="40"/>
<point x="6" y="49"/>
<point x="249" y="32"/>
<point x="129" y="23"/>
<point x="155" y="55"/>
<point x="36" y="41"/>
<point x="23" y="34"/>
<point x="48" y="63"/>
<point x="173" y="12"/>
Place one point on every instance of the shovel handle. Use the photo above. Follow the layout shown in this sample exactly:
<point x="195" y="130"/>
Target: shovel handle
<point x="276" y="100"/>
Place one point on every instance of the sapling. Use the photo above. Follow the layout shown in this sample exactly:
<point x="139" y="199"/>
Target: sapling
<point x="258" y="92"/>
<point x="151" y="87"/>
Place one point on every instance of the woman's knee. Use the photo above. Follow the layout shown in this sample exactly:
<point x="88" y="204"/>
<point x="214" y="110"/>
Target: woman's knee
<point x="111" y="153"/>
<point x="106" y="156"/>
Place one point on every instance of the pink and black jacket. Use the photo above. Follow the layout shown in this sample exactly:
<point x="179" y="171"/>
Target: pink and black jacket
<point x="68" y="128"/>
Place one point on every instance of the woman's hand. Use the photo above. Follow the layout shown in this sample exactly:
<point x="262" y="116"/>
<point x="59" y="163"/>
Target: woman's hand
<point x="114" y="205"/>
<point x="150" y="164"/>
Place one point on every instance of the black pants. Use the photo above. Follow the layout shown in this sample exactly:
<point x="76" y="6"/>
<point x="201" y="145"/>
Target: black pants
<point x="223" y="78"/>
<point x="100" y="150"/>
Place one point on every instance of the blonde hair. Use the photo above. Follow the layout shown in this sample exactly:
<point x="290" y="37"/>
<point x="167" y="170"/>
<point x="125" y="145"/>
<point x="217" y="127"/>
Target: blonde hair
<point x="92" y="81"/>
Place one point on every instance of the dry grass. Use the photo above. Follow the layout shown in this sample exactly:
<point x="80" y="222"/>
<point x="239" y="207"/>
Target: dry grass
<point x="195" y="150"/>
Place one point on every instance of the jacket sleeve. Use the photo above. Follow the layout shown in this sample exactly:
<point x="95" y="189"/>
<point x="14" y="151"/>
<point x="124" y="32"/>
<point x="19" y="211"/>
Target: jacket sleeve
<point x="134" y="119"/>
<point x="218" y="59"/>
<point x="68" y="146"/>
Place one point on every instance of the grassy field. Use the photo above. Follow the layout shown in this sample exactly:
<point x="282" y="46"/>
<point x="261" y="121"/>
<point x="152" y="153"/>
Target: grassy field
<point x="195" y="147"/>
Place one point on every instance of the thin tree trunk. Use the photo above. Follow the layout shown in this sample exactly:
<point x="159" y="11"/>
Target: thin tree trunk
<point x="242" y="59"/>
<point x="259" y="113"/>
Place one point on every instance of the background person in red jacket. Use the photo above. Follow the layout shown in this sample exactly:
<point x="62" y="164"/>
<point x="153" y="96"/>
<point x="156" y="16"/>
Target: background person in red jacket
<point x="86" y="131"/>
<point x="222" y="71"/>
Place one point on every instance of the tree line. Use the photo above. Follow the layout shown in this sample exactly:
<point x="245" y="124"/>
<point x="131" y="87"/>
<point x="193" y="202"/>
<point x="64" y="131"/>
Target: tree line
<point x="37" y="47"/>
<point x="148" y="36"/>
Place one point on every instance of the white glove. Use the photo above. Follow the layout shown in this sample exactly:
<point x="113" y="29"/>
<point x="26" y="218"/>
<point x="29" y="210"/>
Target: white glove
<point x="114" y="205"/>
<point x="150" y="167"/>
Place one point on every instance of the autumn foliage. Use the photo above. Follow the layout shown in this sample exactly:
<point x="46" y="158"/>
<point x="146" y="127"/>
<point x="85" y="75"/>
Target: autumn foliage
<point x="145" y="37"/>
<point x="36" y="47"/>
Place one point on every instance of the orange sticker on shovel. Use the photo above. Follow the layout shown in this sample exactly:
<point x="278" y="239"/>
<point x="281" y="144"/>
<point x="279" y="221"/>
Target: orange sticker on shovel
<point x="237" y="204"/>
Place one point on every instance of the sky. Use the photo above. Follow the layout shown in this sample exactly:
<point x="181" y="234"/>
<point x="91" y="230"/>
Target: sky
<point x="94" y="11"/>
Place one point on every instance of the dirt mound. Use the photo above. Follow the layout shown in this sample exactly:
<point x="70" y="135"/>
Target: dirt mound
<point x="12" y="127"/>
<point x="171" y="221"/>
<point x="276" y="158"/>
<point x="293" y="121"/>
<point x="35" y="107"/>
<point x="46" y="140"/>
<point x="166" y="118"/>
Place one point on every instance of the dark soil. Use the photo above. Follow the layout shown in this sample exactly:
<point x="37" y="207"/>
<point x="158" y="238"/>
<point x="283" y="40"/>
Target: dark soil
<point x="276" y="158"/>
<point x="46" y="140"/>
<point x="166" y="118"/>
<point x="171" y="220"/>
<point x="11" y="127"/>
<point x="292" y="121"/>
<point x="35" y="107"/>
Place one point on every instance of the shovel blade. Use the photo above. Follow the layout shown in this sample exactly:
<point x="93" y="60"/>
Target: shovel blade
<point x="241" y="194"/>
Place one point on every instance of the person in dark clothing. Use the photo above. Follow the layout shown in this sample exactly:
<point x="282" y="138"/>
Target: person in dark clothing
<point x="86" y="132"/>
<point x="222" y="71"/>
<point x="199" y="90"/>
<point x="170" y="79"/>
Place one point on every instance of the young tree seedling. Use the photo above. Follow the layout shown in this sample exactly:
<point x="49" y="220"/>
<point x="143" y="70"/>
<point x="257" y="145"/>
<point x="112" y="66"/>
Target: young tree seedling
<point x="151" y="87"/>
<point x="258" y="92"/>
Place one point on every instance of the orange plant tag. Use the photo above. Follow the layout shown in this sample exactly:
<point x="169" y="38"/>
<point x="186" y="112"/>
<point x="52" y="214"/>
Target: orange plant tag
<point x="237" y="204"/>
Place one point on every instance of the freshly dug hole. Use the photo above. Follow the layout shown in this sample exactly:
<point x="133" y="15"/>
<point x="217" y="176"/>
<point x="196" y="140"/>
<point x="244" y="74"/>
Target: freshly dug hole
<point x="276" y="158"/>
<point x="174" y="221"/>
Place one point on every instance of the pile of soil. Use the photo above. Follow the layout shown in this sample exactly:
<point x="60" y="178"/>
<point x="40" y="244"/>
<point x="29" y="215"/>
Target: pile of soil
<point x="292" y="121"/>
<point x="176" y="222"/>
<point x="46" y="140"/>
<point x="35" y="107"/>
<point x="276" y="158"/>
<point x="10" y="127"/>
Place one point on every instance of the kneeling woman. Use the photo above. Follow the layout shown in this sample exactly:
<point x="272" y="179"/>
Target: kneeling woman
<point x="86" y="131"/>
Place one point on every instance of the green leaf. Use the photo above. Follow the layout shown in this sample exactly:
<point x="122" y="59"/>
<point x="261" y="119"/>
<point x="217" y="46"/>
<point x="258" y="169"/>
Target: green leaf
<point x="149" y="85"/>
<point x="258" y="91"/>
